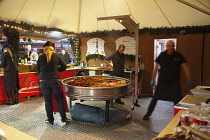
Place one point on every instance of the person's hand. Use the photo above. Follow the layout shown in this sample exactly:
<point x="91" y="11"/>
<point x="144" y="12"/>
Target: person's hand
<point x="152" y="82"/>
<point x="191" y="83"/>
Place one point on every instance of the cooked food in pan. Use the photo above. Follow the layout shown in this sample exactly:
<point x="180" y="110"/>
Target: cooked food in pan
<point x="88" y="81"/>
<point x="97" y="68"/>
<point x="104" y="68"/>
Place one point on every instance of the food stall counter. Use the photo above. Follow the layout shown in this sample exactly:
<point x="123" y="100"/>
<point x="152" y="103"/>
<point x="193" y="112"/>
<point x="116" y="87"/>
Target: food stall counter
<point x="195" y="96"/>
<point x="29" y="83"/>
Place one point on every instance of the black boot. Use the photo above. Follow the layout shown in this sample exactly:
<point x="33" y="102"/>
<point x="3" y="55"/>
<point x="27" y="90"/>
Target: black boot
<point x="16" y="97"/>
<point x="146" y="116"/>
<point x="9" y="95"/>
<point x="150" y="109"/>
<point x="118" y="101"/>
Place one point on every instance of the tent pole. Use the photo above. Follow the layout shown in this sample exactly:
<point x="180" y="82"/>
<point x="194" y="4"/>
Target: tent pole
<point x="133" y="28"/>
<point x="194" y="6"/>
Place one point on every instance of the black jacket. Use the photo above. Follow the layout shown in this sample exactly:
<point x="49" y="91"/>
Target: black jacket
<point x="65" y="57"/>
<point x="170" y="66"/>
<point x="50" y="70"/>
<point x="118" y="64"/>
<point x="7" y="63"/>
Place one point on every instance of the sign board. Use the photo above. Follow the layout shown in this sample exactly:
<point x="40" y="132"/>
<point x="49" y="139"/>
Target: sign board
<point x="95" y="46"/>
<point x="129" y="42"/>
<point x="57" y="45"/>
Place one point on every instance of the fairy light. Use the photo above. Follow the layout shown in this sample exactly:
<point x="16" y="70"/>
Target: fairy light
<point x="38" y="31"/>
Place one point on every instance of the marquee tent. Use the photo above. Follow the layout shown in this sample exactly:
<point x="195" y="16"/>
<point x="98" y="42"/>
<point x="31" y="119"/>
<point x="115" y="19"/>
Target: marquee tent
<point x="81" y="15"/>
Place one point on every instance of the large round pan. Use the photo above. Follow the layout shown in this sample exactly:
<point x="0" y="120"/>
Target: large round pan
<point x="97" y="93"/>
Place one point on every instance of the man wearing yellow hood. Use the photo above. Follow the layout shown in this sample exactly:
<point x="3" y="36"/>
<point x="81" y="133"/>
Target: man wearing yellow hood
<point x="49" y="66"/>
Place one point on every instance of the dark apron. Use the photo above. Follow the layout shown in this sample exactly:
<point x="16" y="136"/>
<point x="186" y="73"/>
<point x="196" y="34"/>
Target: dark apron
<point x="168" y="91"/>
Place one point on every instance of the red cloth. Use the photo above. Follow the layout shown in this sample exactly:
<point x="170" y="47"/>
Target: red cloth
<point x="55" y="106"/>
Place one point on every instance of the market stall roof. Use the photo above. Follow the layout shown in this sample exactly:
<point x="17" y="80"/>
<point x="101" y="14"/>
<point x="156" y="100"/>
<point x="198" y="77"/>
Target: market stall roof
<point x="81" y="15"/>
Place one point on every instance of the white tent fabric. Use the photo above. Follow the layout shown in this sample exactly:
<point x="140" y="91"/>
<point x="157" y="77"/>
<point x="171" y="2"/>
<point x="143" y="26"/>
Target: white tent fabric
<point x="81" y="15"/>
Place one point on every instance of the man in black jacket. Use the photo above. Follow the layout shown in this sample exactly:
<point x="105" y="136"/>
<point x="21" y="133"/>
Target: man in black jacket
<point x="168" y="88"/>
<point x="65" y="55"/>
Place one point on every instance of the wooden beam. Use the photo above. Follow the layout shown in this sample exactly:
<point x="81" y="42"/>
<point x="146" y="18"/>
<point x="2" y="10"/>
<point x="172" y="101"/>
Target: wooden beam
<point x="195" y="7"/>
<point x="122" y="17"/>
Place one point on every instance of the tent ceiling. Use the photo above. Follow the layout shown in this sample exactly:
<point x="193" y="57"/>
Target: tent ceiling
<point x="81" y="15"/>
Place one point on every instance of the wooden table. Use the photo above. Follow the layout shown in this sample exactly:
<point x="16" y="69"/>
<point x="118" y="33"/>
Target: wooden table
<point x="170" y="128"/>
<point x="14" y="134"/>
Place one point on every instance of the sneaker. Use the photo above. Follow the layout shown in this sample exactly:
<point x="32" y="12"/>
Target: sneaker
<point x="66" y="120"/>
<point x="49" y="122"/>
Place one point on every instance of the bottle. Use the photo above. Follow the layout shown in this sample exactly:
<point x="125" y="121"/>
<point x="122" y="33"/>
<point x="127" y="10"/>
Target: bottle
<point x="81" y="65"/>
<point x="25" y="61"/>
<point x="195" y="124"/>
<point x="22" y="61"/>
<point x="184" y="118"/>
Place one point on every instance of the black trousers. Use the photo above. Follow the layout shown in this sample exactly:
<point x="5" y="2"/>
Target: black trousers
<point x="166" y="91"/>
<point x="49" y="87"/>
<point x="153" y="104"/>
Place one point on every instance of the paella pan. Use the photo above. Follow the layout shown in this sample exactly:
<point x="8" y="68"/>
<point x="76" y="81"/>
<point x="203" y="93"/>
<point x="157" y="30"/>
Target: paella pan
<point x="96" y="87"/>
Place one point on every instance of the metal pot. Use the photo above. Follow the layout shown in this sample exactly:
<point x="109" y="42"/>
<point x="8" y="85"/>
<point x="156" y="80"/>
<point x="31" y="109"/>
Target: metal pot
<point x="97" y="93"/>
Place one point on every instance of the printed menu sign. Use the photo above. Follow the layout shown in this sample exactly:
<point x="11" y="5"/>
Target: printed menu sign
<point x="95" y="46"/>
<point x="129" y="42"/>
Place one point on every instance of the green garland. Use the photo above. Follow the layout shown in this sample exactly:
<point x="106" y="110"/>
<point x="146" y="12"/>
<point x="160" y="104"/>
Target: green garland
<point x="113" y="33"/>
<point x="76" y="43"/>
<point x="152" y="31"/>
<point x="94" y="56"/>
<point x="26" y="26"/>
<point x="129" y="57"/>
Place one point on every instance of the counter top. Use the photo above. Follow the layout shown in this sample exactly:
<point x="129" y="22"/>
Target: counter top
<point x="171" y="126"/>
<point x="14" y="134"/>
<point x="2" y="73"/>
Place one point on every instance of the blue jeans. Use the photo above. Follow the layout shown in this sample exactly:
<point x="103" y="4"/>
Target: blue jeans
<point x="49" y="87"/>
